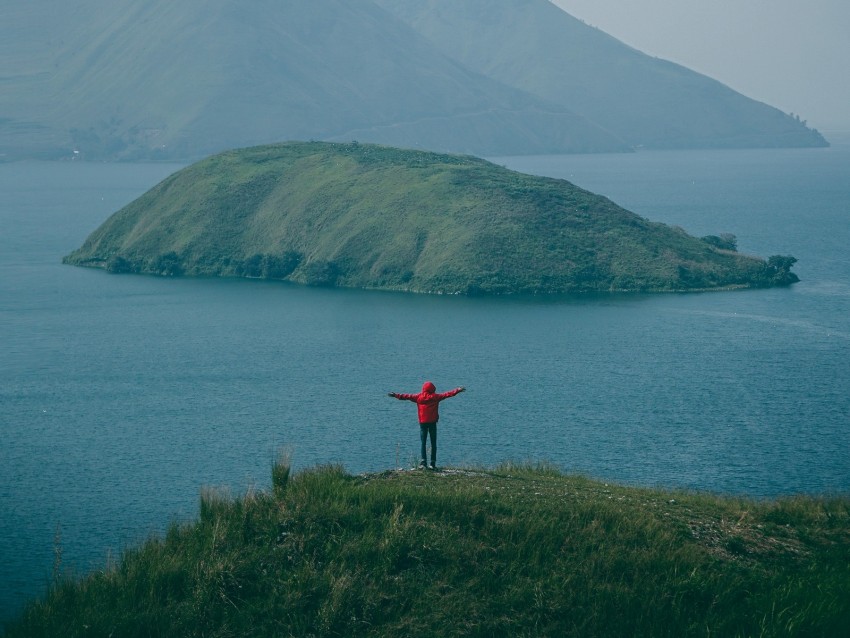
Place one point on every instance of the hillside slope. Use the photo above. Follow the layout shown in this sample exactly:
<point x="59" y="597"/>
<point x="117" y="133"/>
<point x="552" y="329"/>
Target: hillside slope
<point x="511" y="552"/>
<point x="645" y="101"/>
<point x="120" y="79"/>
<point x="368" y="216"/>
<point x="124" y="79"/>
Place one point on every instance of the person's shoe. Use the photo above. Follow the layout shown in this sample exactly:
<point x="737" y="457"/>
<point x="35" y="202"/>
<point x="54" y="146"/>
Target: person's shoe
<point x="423" y="464"/>
<point x="433" y="466"/>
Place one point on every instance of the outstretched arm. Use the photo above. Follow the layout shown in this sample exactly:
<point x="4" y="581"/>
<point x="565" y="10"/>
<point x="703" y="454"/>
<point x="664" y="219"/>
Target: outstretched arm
<point x="402" y="397"/>
<point x="451" y="393"/>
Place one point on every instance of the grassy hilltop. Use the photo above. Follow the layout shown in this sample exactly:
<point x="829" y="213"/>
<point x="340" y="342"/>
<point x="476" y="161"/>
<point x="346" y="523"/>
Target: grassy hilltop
<point x="368" y="216"/>
<point x="516" y="551"/>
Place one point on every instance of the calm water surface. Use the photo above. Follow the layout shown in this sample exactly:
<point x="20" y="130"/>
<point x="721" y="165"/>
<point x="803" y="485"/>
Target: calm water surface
<point x="122" y="396"/>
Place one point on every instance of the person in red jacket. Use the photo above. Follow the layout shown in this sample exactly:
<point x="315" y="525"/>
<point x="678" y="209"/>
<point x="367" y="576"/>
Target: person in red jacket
<point x="428" y="402"/>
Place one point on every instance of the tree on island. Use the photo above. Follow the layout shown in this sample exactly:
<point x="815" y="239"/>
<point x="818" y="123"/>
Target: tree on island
<point x="779" y="269"/>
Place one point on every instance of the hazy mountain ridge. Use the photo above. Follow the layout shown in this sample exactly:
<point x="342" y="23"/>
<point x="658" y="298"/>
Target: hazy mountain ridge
<point x="185" y="80"/>
<point x="645" y="101"/>
<point x="367" y="216"/>
<point x="124" y="79"/>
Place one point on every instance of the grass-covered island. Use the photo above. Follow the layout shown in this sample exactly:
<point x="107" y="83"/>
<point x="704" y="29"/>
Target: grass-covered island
<point x="513" y="551"/>
<point x="367" y="216"/>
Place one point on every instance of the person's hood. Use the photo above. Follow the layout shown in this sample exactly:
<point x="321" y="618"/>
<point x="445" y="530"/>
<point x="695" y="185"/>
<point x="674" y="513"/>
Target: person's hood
<point x="429" y="387"/>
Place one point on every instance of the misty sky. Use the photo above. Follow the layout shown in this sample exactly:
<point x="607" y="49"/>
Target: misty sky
<point x="791" y="54"/>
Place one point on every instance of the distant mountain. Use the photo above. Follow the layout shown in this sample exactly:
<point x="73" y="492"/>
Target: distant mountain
<point x="127" y="79"/>
<point x="646" y="102"/>
<point x="367" y="216"/>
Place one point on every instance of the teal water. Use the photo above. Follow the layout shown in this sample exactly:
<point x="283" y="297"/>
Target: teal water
<point x="122" y="396"/>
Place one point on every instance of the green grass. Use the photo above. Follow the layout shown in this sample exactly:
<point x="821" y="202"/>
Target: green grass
<point x="511" y="551"/>
<point x="368" y="216"/>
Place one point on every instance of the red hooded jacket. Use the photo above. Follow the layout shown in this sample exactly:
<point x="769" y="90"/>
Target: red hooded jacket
<point x="427" y="401"/>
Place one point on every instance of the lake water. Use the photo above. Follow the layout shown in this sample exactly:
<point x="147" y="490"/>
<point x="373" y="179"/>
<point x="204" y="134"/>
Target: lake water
<point x="122" y="396"/>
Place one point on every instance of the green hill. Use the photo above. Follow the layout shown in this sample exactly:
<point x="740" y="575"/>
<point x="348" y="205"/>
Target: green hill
<point x="121" y="79"/>
<point x="367" y="216"/>
<point x="515" y="551"/>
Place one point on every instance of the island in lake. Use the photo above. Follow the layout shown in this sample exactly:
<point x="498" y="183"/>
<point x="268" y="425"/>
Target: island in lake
<point x="377" y="217"/>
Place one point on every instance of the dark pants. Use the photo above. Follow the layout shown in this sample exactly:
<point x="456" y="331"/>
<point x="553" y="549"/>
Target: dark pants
<point x="426" y="430"/>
